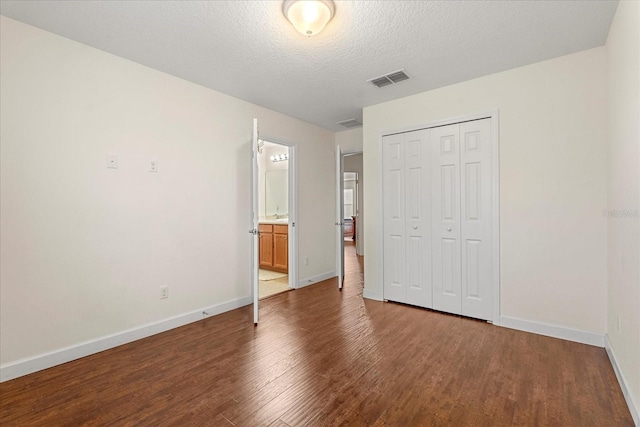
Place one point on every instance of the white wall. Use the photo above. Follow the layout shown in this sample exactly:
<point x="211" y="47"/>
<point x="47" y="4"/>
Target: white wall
<point x="84" y="248"/>
<point x="623" y="67"/>
<point x="354" y="163"/>
<point x="552" y="183"/>
<point x="350" y="141"/>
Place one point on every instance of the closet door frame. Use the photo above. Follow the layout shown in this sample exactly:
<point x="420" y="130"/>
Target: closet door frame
<point x="495" y="187"/>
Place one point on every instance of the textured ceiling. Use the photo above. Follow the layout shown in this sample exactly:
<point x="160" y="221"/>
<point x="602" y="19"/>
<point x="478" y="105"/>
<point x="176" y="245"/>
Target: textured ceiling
<point x="247" y="49"/>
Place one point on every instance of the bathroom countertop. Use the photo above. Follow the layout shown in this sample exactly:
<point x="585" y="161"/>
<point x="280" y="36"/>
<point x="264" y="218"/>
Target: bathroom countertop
<point x="280" y="221"/>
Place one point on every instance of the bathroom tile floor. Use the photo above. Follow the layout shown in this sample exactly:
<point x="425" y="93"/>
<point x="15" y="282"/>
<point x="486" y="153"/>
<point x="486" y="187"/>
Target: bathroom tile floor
<point x="267" y="288"/>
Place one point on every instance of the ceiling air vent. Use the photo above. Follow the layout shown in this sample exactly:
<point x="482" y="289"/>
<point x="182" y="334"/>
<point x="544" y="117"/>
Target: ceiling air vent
<point x="389" y="79"/>
<point x="350" y="123"/>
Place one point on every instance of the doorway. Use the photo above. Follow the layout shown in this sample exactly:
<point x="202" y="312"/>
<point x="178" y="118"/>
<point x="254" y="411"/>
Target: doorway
<point x="352" y="213"/>
<point x="276" y="216"/>
<point x="350" y="205"/>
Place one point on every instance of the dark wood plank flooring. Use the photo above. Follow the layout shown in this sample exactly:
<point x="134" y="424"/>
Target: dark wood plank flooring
<point x="324" y="357"/>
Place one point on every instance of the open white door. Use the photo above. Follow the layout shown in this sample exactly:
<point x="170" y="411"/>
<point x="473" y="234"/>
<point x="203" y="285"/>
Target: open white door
<point x="339" y="217"/>
<point x="254" y="220"/>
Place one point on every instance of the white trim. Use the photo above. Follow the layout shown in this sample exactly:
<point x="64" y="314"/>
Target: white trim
<point x="623" y="383"/>
<point x="494" y="116"/>
<point x="339" y="215"/>
<point x="371" y="295"/>
<point x="315" y="279"/>
<point x="438" y="123"/>
<point x="379" y="231"/>
<point x="255" y="221"/>
<point x="293" y="217"/>
<point x="555" y="331"/>
<point x="29" y="365"/>
<point x="495" y="255"/>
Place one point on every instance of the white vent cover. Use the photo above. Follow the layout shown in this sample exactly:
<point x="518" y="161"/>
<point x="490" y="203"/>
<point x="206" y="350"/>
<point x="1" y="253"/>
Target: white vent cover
<point x="350" y="123"/>
<point x="390" y="78"/>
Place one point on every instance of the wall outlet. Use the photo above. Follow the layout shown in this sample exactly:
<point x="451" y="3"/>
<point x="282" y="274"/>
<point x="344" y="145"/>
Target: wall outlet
<point x="153" y="165"/>
<point x="306" y="260"/>
<point x="164" y="292"/>
<point x="112" y="161"/>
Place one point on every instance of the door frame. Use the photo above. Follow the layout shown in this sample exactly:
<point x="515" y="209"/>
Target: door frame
<point x="254" y="217"/>
<point x="340" y="205"/>
<point x="292" y="177"/>
<point x="339" y="177"/>
<point x="349" y="153"/>
<point x="495" y="187"/>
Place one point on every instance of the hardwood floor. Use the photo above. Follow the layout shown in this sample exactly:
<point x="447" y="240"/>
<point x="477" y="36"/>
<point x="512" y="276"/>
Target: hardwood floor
<point x="324" y="357"/>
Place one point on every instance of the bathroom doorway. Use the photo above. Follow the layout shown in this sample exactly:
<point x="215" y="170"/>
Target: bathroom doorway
<point x="276" y="221"/>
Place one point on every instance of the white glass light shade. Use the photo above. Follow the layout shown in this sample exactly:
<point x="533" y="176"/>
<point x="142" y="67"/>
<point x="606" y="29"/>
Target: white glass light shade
<point x="309" y="16"/>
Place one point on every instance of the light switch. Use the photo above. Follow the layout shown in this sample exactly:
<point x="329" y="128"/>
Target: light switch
<point x="112" y="161"/>
<point x="153" y="165"/>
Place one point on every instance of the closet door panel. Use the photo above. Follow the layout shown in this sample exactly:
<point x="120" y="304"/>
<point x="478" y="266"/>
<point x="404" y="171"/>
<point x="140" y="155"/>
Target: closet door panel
<point x="394" y="286"/>
<point x="476" y="218"/>
<point x="438" y="218"/>
<point x="418" y="218"/>
<point x="445" y="199"/>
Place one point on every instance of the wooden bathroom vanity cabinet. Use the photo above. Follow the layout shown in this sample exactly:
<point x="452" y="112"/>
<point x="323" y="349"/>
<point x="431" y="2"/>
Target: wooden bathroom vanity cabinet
<point x="274" y="247"/>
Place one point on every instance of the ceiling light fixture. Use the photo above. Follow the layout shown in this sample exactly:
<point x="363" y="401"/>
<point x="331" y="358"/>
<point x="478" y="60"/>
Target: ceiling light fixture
<point x="309" y="16"/>
<point x="279" y="157"/>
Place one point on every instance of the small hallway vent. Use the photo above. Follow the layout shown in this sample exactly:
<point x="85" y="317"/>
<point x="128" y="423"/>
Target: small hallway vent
<point x="389" y="79"/>
<point x="350" y="123"/>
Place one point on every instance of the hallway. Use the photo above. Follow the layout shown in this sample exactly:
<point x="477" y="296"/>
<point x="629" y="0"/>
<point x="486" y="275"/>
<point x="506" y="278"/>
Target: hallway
<point x="353" y="266"/>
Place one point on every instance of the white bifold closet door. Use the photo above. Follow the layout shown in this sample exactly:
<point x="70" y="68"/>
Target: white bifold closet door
<point x="438" y="218"/>
<point x="446" y="219"/>
<point x="407" y="223"/>
<point x="476" y="218"/>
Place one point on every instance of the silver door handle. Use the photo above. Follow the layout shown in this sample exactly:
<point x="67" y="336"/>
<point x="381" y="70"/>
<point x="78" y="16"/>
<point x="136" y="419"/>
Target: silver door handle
<point x="415" y="227"/>
<point x="448" y="228"/>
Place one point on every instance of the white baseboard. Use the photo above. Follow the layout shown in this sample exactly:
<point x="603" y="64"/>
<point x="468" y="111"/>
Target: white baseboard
<point x="623" y="383"/>
<point x="29" y="365"/>
<point x="555" y="331"/>
<point x="366" y="293"/>
<point x="315" y="279"/>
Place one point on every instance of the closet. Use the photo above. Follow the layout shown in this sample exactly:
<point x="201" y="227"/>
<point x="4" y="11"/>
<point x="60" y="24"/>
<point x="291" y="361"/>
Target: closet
<point x="438" y="207"/>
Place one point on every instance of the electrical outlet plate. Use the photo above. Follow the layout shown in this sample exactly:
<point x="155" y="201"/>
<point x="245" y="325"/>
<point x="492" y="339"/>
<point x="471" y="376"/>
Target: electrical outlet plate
<point x="153" y="165"/>
<point x="112" y="161"/>
<point x="164" y="292"/>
